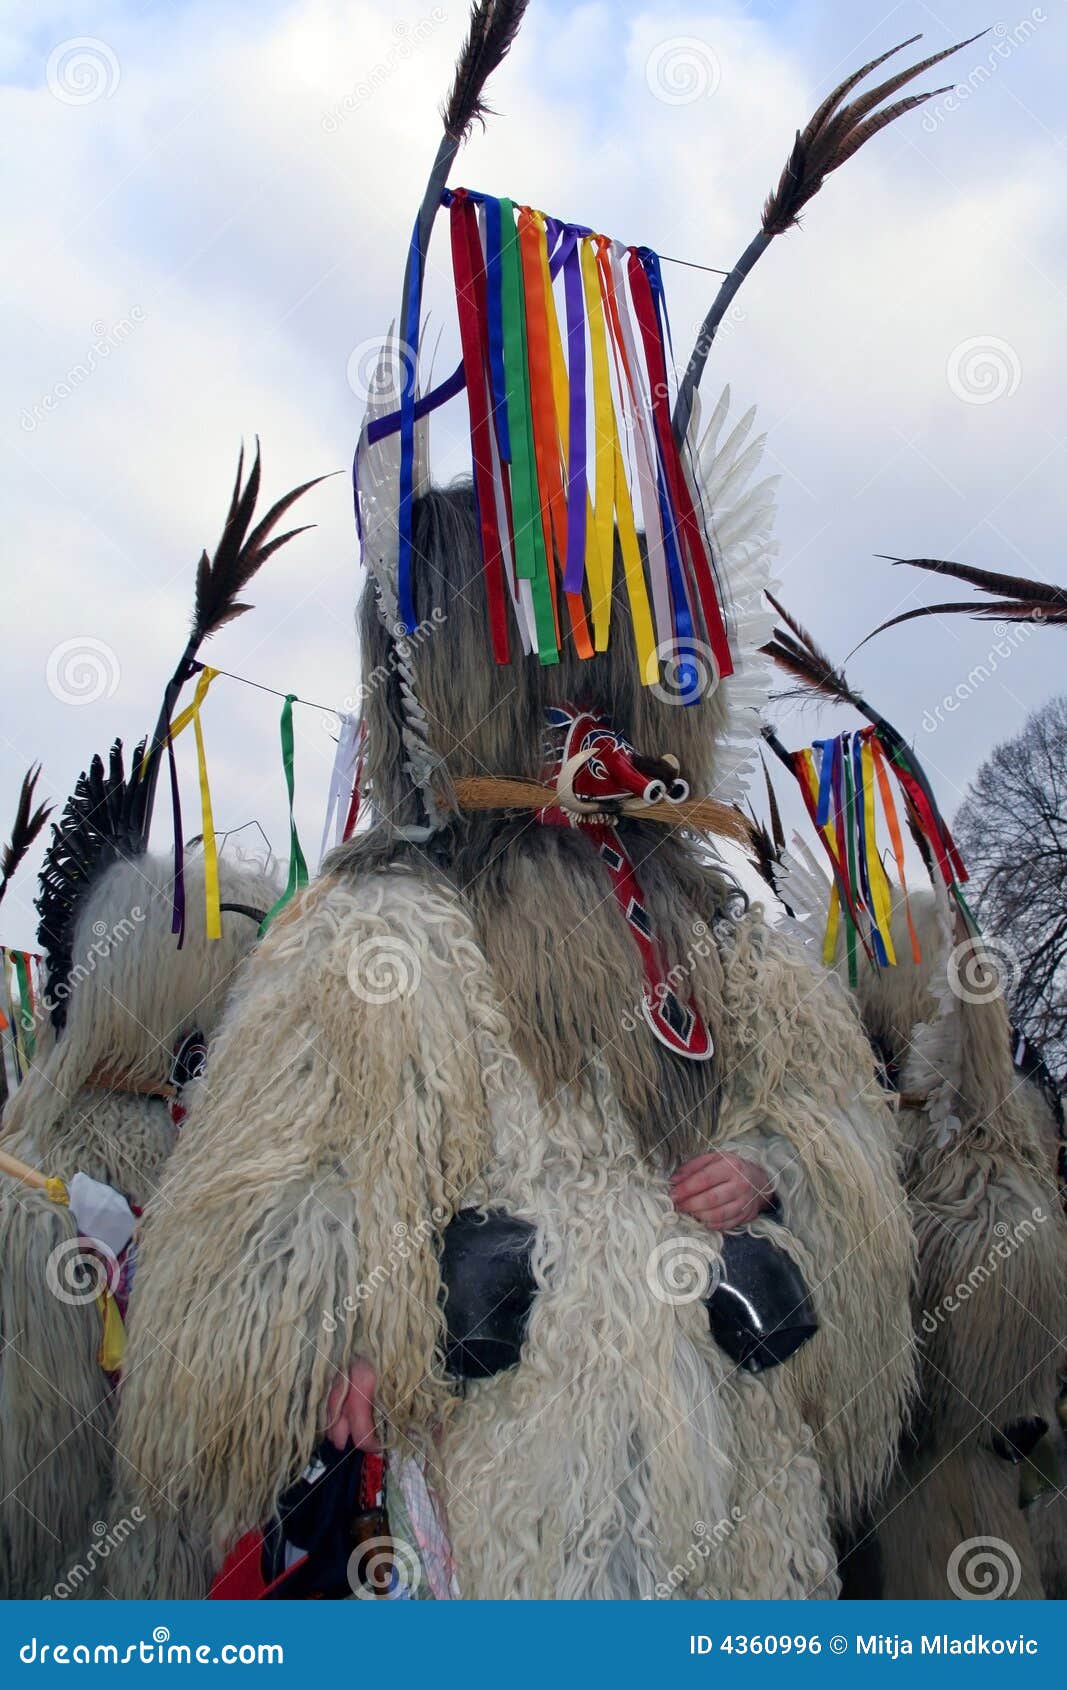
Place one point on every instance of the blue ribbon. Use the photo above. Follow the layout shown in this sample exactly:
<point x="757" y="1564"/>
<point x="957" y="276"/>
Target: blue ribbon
<point x="412" y="304"/>
<point x="494" y="283"/>
<point x="826" y="764"/>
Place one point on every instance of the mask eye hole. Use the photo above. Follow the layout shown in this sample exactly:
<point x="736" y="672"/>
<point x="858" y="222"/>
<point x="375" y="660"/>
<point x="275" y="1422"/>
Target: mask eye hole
<point x="190" y="1059"/>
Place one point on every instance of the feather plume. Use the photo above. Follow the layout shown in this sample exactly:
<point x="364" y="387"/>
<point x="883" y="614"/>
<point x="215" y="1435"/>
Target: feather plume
<point x="1019" y="600"/>
<point x="830" y="137"/>
<point x="493" y="27"/>
<point x="24" y="829"/>
<point x="239" y="554"/>
<point x="837" y="131"/>
<point x="988" y="580"/>
<point x="103" y="822"/>
<point x="219" y="582"/>
<point x="795" y="651"/>
<point x="777" y="830"/>
<point x="762" y="853"/>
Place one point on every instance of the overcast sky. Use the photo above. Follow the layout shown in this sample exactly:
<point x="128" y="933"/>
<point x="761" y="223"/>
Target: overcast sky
<point x="206" y="211"/>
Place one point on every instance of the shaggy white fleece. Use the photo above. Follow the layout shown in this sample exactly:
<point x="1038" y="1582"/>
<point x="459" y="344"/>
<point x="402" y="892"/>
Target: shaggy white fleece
<point x="133" y="997"/>
<point x="621" y="1457"/>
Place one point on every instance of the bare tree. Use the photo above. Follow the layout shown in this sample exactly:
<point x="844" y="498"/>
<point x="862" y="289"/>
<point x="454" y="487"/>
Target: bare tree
<point x="1012" y="828"/>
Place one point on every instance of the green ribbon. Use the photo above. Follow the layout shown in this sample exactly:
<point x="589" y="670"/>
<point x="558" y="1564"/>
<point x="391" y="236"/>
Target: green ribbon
<point x="25" y="1021"/>
<point x="531" y="562"/>
<point x="298" y="872"/>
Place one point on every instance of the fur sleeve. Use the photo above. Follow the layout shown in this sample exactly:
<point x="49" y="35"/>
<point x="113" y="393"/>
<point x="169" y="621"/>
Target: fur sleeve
<point x="343" y="1111"/>
<point x="802" y="1098"/>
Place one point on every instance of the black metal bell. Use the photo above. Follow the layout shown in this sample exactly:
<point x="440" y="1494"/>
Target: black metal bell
<point x="760" y="1311"/>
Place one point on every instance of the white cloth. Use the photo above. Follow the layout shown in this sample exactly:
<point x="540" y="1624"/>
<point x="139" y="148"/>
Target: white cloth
<point x="101" y="1213"/>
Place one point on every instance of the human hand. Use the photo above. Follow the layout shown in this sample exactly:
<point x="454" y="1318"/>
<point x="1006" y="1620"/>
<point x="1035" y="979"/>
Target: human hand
<point x="350" y="1408"/>
<point x="722" y="1191"/>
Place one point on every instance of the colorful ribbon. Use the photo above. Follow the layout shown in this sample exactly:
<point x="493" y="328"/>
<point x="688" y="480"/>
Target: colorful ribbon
<point x="548" y="425"/>
<point x="298" y="874"/>
<point x="842" y="781"/>
<point x="212" y="913"/>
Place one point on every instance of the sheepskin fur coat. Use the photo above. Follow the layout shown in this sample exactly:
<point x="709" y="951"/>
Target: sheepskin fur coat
<point x="991" y="1294"/>
<point x="452" y="1022"/>
<point x="131" y="998"/>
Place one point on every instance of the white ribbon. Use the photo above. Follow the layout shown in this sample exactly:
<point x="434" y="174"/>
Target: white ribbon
<point x="342" y="780"/>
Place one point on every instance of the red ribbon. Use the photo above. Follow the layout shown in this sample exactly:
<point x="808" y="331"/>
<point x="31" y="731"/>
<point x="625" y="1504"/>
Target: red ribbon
<point x="471" y="301"/>
<point x="681" y="499"/>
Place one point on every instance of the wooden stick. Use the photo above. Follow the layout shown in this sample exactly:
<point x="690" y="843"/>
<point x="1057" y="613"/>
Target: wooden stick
<point x="22" y="1171"/>
<point x="705" y="815"/>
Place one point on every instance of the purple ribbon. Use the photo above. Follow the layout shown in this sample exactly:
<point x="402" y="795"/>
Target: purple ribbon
<point x="577" y="465"/>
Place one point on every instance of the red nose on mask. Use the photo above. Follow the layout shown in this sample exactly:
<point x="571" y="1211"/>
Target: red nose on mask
<point x="599" y="768"/>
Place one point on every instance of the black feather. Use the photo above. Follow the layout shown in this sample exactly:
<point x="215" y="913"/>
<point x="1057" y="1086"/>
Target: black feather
<point x="219" y="582"/>
<point x="795" y="651"/>
<point x="830" y="137"/>
<point x="239" y="554"/>
<point x="102" y="823"/>
<point x="836" y="131"/>
<point x="493" y="27"/>
<point x="24" y="829"/>
<point x="987" y="580"/>
<point x="777" y="830"/>
<point x="1019" y="598"/>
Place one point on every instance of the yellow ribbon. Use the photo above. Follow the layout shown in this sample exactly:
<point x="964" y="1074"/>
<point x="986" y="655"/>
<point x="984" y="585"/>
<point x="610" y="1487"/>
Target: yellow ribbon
<point x="191" y="713"/>
<point x="833" y="914"/>
<point x="212" y="913"/>
<point x="877" y="878"/>
<point x="55" y="1189"/>
<point x="896" y="837"/>
<point x="833" y="921"/>
<point x="600" y="533"/>
<point x="113" y="1334"/>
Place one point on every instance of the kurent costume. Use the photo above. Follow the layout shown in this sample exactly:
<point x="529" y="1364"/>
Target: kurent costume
<point x="139" y="959"/>
<point x="462" y="1065"/>
<point x="981" y="1150"/>
<point x="1018" y="598"/>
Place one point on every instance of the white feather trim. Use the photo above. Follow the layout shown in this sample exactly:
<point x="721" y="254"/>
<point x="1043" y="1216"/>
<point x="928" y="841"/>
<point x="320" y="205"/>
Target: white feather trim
<point x="740" y="516"/>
